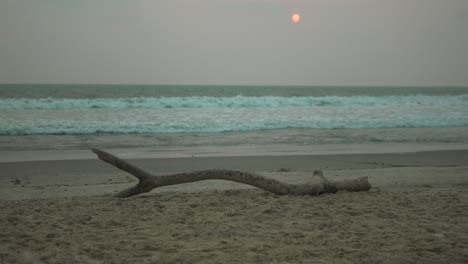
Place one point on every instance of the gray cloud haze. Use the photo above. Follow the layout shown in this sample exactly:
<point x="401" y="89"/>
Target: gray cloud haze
<point x="337" y="42"/>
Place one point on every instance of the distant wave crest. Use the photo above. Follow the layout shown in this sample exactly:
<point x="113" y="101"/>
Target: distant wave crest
<point x="225" y="102"/>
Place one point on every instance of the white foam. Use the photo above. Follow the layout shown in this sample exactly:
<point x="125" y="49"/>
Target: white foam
<point x="227" y="102"/>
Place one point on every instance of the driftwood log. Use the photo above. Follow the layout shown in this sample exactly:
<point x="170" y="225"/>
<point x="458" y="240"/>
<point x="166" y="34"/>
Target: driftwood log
<point x="148" y="181"/>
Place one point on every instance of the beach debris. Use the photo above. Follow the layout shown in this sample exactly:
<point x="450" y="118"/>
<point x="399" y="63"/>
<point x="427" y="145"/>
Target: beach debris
<point x="148" y="181"/>
<point x="16" y="181"/>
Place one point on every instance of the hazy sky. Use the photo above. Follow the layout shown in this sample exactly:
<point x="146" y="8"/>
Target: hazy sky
<point x="337" y="42"/>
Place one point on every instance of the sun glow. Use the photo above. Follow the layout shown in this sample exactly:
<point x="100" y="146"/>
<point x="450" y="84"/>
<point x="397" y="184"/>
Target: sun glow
<point x="296" y="18"/>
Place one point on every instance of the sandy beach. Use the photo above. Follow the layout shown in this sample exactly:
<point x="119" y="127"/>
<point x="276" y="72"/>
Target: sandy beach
<point x="271" y="132"/>
<point x="62" y="211"/>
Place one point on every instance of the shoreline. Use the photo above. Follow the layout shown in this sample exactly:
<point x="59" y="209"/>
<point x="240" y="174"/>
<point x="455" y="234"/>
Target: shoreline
<point x="299" y="138"/>
<point x="90" y="177"/>
<point x="230" y="151"/>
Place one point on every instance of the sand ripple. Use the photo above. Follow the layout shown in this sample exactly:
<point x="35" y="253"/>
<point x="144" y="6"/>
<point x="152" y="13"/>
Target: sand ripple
<point x="408" y="225"/>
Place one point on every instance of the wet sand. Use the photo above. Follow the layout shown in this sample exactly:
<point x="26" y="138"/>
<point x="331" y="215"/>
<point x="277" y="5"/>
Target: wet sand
<point x="62" y="211"/>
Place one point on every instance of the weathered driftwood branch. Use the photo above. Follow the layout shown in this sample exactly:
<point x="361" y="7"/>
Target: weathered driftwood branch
<point x="147" y="181"/>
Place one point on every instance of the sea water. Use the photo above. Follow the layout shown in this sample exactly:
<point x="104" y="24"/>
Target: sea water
<point x="162" y="109"/>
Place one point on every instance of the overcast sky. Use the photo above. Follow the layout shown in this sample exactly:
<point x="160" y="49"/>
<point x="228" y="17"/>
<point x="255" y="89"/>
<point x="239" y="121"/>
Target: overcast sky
<point x="337" y="42"/>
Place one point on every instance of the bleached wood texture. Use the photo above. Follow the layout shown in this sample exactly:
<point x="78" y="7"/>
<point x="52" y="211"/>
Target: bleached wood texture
<point x="148" y="181"/>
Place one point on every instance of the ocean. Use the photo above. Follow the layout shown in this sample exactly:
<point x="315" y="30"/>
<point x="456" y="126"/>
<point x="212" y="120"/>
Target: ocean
<point x="160" y="109"/>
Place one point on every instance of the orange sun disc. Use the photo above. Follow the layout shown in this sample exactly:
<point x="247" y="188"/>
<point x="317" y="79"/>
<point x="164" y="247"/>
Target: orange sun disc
<point x="296" y="18"/>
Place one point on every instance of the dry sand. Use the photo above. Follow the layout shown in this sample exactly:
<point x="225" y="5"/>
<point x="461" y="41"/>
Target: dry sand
<point x="408" y="225"/>
<point x="61" y="212"/>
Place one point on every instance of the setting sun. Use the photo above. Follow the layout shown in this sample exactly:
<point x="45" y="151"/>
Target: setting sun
<point x="296" y="18"/>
